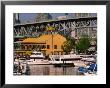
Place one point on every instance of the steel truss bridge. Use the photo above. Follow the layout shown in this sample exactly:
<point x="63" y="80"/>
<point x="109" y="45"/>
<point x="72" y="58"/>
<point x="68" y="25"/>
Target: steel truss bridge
<point x="65" y="27"/>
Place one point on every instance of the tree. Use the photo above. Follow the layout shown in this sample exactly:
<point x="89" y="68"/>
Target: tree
<point x="17" y="46"/>
<point x="68" y="45"/>
<point x="83" y="44"/>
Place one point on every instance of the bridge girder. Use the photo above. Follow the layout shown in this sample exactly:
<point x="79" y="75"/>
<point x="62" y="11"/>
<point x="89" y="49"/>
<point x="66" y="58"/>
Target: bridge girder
<point x="63" y="26"/>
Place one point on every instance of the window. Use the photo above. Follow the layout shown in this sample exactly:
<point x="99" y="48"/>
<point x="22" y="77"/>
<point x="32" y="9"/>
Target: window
<point x="55" y="46"/>
<point x="43" y="46"/>
<point x="37" y="53"/>
<point x="48" y="46"/>
<point x="56" y="59"/>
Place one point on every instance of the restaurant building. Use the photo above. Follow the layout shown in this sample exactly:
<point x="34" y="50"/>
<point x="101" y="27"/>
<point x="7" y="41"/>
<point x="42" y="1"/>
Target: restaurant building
<point x="49" y="44"/>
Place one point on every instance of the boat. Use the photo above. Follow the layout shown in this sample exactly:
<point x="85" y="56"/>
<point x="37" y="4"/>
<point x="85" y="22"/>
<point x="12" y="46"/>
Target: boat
<point x="89" y="58"/>
<point x="64" y="59"/>
<point x="37" y="55"/>
<point x="37" y="58"/>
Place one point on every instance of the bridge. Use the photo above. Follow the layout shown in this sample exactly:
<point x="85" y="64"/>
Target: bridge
<point x="78" y="26"/>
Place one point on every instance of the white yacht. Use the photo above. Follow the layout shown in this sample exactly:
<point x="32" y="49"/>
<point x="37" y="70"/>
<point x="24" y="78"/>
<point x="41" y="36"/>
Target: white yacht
<point x="37" y="55"/>
<point x="89" y="58"/>
<point x="64" y="59"/>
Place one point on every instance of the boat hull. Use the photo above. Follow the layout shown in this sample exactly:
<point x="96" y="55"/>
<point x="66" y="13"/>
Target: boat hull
<point x="60" y="64"/>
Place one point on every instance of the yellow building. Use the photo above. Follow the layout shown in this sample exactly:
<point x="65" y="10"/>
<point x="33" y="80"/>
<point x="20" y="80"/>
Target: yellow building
<point x="48" y="44"/>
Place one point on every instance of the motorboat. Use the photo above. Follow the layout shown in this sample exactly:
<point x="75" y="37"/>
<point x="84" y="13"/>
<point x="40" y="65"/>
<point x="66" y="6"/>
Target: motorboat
<point x="88" y="59"/>
<point x="37" y="55"/>
<point x="64" y="59"/>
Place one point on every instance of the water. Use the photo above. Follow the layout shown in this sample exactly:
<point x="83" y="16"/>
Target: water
<point x="52" y="70"/>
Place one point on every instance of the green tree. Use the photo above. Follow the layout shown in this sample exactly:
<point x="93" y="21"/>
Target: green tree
<point x="68" y="45"/>
<point x="83" y="44"/>
<point x="17" y="46"/>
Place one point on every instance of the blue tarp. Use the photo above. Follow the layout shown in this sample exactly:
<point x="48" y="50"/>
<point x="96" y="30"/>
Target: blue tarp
<point x="92" y="67"/>
<point x="82" y="69"/>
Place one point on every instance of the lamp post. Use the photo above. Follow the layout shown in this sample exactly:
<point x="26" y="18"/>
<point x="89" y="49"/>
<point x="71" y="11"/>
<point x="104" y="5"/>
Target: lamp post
<point x="52" y="42"/>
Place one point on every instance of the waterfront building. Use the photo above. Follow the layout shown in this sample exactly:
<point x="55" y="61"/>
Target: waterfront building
<point x="62" y="18"/>
<point x="48" y="44"/>
<point x="43" y="17"/>
<point x="83" y="28"/>
<point x="81" y="15"/>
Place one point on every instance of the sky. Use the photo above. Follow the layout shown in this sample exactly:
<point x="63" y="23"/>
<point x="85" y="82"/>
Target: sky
<point x="31" y="17"/>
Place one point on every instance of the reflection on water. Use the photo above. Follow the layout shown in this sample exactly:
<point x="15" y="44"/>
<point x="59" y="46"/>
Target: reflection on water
<point x="51" y="70"/>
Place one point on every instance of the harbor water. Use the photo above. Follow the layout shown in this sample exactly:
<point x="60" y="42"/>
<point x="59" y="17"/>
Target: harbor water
<point x="52" y="70"/>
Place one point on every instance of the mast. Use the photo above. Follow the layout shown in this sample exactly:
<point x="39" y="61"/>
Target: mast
<point x="52" y="42"/>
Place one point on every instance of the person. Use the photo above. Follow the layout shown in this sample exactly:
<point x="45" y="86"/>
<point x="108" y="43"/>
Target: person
<point x="15" y="68"/>
<point x="19" y="68"/>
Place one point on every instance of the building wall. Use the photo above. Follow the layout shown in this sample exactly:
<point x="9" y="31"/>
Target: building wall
<point x="78" y="15"/>
<point x="49" y="44"/>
